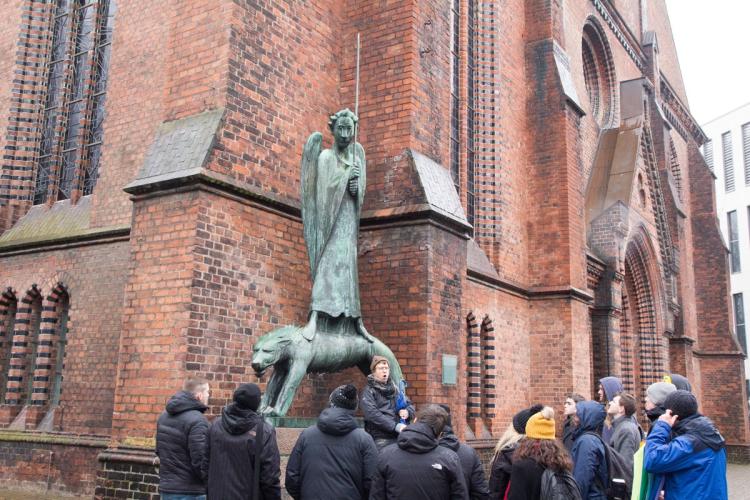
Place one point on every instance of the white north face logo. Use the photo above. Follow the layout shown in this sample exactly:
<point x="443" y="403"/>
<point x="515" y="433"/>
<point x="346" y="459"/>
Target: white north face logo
<point x="437" y="466"/>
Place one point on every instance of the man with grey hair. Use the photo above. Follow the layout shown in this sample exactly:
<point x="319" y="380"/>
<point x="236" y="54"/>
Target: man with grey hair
<point x="181" y="442"/>
<point x="416" y="467"/>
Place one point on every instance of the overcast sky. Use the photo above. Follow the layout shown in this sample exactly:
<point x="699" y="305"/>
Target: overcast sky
<point x="713" y="46"/>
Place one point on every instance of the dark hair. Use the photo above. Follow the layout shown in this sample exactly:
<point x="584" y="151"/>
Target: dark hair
<point x="448" y="411"/>
<point x="548" y="453"/>
<point x="434" y="416"/>
<point x="627" y="401"/>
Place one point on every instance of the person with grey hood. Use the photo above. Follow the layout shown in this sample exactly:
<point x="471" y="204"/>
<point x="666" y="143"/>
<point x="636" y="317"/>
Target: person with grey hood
<point x="469" y="458"/>
<point x="609" y="387"/>
<point x="334" y="458"/>
<point x="239" y="465"/>
<point x="180" y="442"/>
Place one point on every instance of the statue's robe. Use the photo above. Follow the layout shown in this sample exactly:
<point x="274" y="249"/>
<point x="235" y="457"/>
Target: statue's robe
<point x="330" y="214"/>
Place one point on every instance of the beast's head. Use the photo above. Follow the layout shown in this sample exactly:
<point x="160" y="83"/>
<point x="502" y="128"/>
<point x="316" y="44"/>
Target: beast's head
<point x="272" y="348"/>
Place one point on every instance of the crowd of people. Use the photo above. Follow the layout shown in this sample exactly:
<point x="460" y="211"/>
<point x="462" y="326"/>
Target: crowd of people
<point x="603" y="451"/>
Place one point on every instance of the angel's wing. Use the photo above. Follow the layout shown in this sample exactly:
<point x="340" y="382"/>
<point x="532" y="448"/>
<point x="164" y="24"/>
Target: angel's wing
<point x="310" y="155"/>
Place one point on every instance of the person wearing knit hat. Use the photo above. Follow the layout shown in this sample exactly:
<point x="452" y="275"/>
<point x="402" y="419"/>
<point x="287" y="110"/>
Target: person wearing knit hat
<point x="522" y="417"/>
<point x="344" y="396"/>
<point x="502" y="461"/>
<point x="232" y="446"/>
<point x="538" y="451"/>
<point x="541" y="425"/>
<point x="333" y="458"/>
<point x="379" y="399"/>
<point x="656" y="394"/>
<point x="687" y="451"/>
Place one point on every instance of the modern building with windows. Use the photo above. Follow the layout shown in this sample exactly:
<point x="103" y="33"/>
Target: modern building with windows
<point x="727" y="152"/>
<point x="538" y="214"/>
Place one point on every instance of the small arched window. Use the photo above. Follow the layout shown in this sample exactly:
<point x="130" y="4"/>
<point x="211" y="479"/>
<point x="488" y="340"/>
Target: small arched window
<point x="8" y="308"/>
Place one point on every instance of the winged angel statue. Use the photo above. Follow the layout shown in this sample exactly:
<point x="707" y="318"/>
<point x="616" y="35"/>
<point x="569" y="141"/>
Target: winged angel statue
<point x="333" y="188"/>
<point x="334" y="338"/>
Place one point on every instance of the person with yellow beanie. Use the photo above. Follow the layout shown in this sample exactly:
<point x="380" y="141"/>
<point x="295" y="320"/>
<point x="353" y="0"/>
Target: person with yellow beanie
<point x="536" y="453"/>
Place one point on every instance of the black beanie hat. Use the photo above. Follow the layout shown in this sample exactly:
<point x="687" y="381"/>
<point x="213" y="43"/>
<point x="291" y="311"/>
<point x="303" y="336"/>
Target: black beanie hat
<point x="344" y="396"/>
<point x="682" y="403"/>
<point x="523" y="416"/>
<point x="247" y="396"/>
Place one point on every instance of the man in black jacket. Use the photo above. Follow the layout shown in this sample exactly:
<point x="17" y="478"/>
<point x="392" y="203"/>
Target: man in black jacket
<point x="233" y="451"/>
<point x="469" y="458"/>
<point x="180" y="442"/>
<point x="382" y="419"/>
<point x="335" y="458"/>
<point x="416" y="467"/>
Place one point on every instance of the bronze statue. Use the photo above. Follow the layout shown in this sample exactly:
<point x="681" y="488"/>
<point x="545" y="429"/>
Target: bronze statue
<point x="333" y="188"/>
<point x="334" y="338"/>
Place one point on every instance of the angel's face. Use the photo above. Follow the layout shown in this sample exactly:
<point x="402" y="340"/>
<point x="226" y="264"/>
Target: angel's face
<point x="343" y="132"/>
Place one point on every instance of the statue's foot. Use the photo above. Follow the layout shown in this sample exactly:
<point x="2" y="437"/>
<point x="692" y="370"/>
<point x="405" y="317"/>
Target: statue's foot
<point x="308" y="331"/>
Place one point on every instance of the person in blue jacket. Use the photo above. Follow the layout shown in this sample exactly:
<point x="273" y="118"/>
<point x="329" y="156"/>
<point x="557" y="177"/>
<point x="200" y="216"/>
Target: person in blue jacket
<point x="687" y="448"/>
<point x="588" y="453"/>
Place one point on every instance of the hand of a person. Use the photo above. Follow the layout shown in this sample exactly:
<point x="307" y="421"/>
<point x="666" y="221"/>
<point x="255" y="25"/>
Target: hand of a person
<point x="400" y="427"/>
<point x="668" y="418"/>
<point x="404" y="414"/>
<point x="355" y="171"/>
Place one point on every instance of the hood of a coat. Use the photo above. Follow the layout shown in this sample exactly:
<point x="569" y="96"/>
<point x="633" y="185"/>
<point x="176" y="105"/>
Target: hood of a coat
<point x="681" y="382"/>
<point x="182" y="402"/>
<point x="236" y="420"/>
<point x="591" y="416"/>
<point x="337" y="421"/>
<point x="448" y="439"/>
<point x="611" y="385"/>
<point x="417" y="438"/>
<point x="700" y="428"/>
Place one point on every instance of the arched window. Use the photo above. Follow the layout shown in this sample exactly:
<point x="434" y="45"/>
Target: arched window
<point x="32" y="347"/>
<point x="60" y="342"/>
<point x="71" y="124"/>
<point x="8" y="308"/>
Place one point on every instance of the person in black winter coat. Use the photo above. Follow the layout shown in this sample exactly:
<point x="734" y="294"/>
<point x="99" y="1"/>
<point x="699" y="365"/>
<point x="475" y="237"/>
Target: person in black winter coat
<point x="180" y="441"/>
<point x="333" y="459"/>
<point x="502" y="462"/>
<point x="469" y="458"/>
<point x="382" y="420"/>
<point x="416" y="467"/>
<point x="589" y="454"/>
<point x="231" y="451"/>
<point x="536" y="453"/>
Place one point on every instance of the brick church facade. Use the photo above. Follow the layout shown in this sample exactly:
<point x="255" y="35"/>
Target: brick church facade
<point x="537" y="211"/>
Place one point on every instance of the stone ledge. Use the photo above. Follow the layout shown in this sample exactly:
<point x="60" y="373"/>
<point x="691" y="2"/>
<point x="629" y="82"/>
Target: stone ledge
<point x="54" y="438"/>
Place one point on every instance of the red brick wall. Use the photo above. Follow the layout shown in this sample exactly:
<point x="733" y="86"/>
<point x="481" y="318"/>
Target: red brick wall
<point x="94" y="326"/>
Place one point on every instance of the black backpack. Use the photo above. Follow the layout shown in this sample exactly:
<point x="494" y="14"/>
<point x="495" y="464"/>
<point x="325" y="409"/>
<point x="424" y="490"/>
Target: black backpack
<point x="559" y="486"/>
<point x="619" y="473"/>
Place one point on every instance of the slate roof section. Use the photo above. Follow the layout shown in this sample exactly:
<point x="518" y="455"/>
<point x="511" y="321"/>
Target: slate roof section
<point x="440" y="193"/>
<point x="181" y="148"/>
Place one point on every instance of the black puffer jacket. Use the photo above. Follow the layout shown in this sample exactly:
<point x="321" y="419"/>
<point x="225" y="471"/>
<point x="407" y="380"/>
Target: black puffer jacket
<point x="333" y="459"/>
<point x="379" y="407"/>
<point x="470" y="464"/>
<point x="231" y="457"/>
<point x="180" y="444"/>
<point x="416" y="468"/>
<point x="500" y="470"/>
